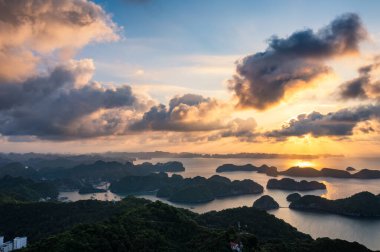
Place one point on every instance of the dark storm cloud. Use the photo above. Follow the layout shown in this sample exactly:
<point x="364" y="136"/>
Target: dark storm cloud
<point x="60" y="106"/>
<point x="189" y="112"/>
<point x="263" y="79"/>
<point x="34" y="89"/>
<point x="340" y="123"/>
<point x="361" y="87"/>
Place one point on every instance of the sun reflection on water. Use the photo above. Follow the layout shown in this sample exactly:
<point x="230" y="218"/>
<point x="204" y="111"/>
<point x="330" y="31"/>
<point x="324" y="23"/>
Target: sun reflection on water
<point x="330" y="190"/>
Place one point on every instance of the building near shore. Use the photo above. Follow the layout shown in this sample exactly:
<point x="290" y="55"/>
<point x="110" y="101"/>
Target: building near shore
<point x="17" y="243"/>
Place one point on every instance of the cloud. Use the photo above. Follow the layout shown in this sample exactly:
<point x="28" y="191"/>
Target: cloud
<point x="65" y="104"/>
<point x="32" y="30"/>
<point x="340" y="123"/>
<point x="363" y="87"/>
<point x="189" y="112"/>
<point x="265" y="78"/>
<point x="242" y="129"/>
<point x="196" y="119"/>
<point x="43" y="93"/>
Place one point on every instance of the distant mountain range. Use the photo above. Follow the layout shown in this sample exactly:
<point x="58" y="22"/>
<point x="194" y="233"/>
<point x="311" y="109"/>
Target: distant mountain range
<point x="70" y="160"/>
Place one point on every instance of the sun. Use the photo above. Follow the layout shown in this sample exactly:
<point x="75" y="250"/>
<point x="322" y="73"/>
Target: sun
<point x="303" y="163"/>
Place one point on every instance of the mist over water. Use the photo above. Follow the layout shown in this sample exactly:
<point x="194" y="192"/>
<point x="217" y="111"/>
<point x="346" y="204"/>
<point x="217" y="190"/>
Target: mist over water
<point x="365" y="231"/>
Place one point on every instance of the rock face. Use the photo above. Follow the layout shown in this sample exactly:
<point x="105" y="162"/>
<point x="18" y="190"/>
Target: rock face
<point x="293" y="197"/>
<point x="266" y="202"/>
<point x="186" y="190"/>
<point x="292" y="185"/>
<point x="364" y="204"/>
<point x="350" y="169"/>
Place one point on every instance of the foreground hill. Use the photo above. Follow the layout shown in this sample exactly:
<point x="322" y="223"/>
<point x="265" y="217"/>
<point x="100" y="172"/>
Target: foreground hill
<point x="141" y="225"/>
<point x="364" y="204"/>
<point x="39" y="220"/>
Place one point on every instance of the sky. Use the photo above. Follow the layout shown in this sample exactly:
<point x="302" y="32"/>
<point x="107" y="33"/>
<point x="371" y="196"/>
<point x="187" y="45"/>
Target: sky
<point x="216" y="76"/>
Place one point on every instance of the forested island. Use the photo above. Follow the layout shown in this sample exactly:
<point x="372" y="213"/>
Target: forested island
<point x="293" y="197"/>
<point x="265" y="203"/>
<point x="84" y="175"/>
<point x="292" y="185"/>
<point x="268" y="170"/>
<point x="363" y="204"/>
<point x="186" y="190"/>
<point x="330" y="173"/>
<point x="296" y="171"/>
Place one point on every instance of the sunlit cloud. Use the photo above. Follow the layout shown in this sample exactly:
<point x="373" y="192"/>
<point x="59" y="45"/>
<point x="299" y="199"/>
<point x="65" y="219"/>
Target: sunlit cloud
<point x="32" y="30"/>
<point x="335" y="124"/>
